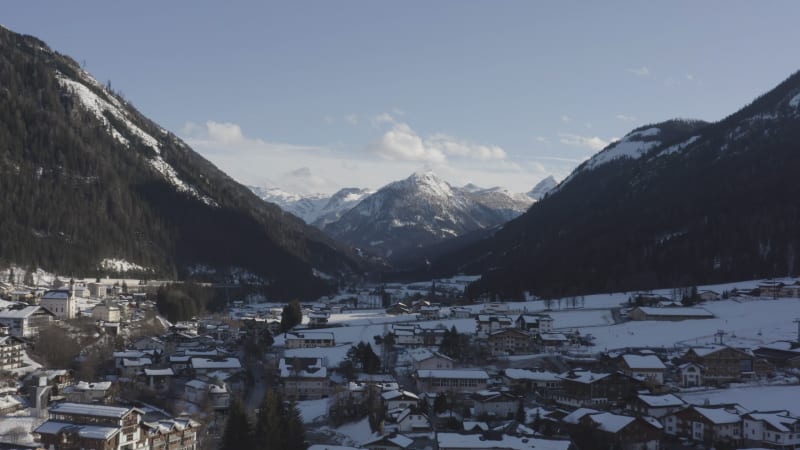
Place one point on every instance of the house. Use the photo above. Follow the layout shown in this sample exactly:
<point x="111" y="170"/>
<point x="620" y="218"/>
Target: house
<point x="790" y="291"/>
<point x="779" y="354"/>
<point x="430" y="312"/>
<point x="25" y="321"/>
<point x="644" y="367"/>
<point x="121" y="356"/>
<point x="399" y="399"/>
<point x="453" y="380"/>
<point x="180" y="433"/>
<point x="594" y="429"/>
<point x="60" y="302"/>
<point x="460" y="312"/>
<point x="12" y="352"/>
<point x="106" y="312"/>
<point x="671" y="314"/>
<point x="705" y="424"/>
<point x="98" y="290"/>
<point x="308" y="339"/>
<point x="510" y="341"/>
<point x="722" y="363"/>
<point x="149" y="343"/>
<point x="304" y="378"/>
<point x="412" y="419"/>
<point x="499" y="405"/>
<point x="78" y="425"/>
<point x="217" y="394"/>
<point x="202" y="366"/>
<point x="398" y="308"/>
<point x="132" y="368"/>
<point x="496" y="441"/>
<point x="656" y="405"/>
<point x="524" y="381"/>
<point x="646" y="299"/>
<point x="391" y="441"/>
<point x="9" y="404"/>
<point x="88" y="392"/>
<point x="423" y="358"/>
<point x="159" y="378"/>
<point x="771" y="429"/>
<point x="583" y="388"/>
<point x="406" y="336"/>
<point x="691" y="374"/>
<point x="318" y="318"/>
<point x="487" y="324"/>
<point x="708" y="295"/>
<point x="770" y="289"/>
<point x="535" y="323"/>
<point x="550" y="342"/>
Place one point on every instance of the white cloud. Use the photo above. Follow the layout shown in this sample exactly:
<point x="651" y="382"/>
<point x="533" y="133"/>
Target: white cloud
<point x="565" y="118"/>
<point x="690" y="77"/>
<point x="352" y="119"/>
<point x="640" y="71"/>
<point x="591" y="142"/>
<point x="542" y="139"/>
<point x="329" y="120"/>
<point x="383" y="118"/>
<point x="625" y="118"/>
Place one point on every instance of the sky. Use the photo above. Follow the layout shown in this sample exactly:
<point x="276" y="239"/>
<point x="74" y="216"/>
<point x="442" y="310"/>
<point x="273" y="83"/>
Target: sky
<point x="316" y="96"/>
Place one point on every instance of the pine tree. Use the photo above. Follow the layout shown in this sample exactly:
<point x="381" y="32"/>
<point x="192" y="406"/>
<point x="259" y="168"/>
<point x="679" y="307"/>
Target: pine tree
<point x="237" y="429"/>
<point x="294" y="432"/>
<point x="268" y="423"/>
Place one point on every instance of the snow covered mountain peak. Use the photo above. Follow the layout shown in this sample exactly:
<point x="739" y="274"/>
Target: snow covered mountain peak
<point x="542" y="188"/>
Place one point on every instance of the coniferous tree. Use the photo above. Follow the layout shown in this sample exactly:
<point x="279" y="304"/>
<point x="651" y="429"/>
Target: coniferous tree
<point x="237" y="429"/>
<point x="293" y="430"/>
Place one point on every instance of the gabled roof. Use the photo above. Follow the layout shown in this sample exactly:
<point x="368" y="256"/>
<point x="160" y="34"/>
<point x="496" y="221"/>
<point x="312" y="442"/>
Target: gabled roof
<point x="208" y="363"/>
<point x="525" y="374"/>
<point x="400" y="394"/>
<point x="780" y="421"/>
<point x="476" y="374"/>
<point x="718" y="416"/>
<point x="85" y="409"/>
<point x="647" y="362"/>
<point x="661" y="401"/>
<point x="393" y="439"/>
<point x="23" y="313"/>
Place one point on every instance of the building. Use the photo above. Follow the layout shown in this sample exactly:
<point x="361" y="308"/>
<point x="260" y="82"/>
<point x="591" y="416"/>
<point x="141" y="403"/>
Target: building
<point x="423" y="358"/>
<point x="88" y="392"/>
<point x="494" y="404"/>
<point x="177" y="434"/>
<point x="551" y="342"/>
<point x="304" y="378"/>
<point x="771" y="429"/>
<point x="705" y="424"/>
<point x="78" y="426"/>
<point x="524" y="381"/>
<point x="318" y="318"/>
<point x="595" y="429"/>
<point x="583" y="388"/>
<point x="12" y="351"/>
<point x="453" y="380"/>
<point x="487" y="324"/>
<point x="770" y="289"/>
<point x="106" y="312"/>
<point x="496" y="441"/>
<point x="510" y="341"/>
<point x="722" y="363"/>
<point x="656" y="405"/>
<point x="391" y="441"/>
<point x="60" y="302"/>
<point x="644" y="367"/>
<point x="217" y="394"/>
<point x="535" y="323"/>
<point x="429" y="312"/>
<point x="671" y="313"/>
<point x="308" y="339"/>
<point x="203" y="366"/>
<point x="25" y="321"/>
<point x="412" y="419"/>
<point x="399" y="399"/>
<point x="691" y="374"/>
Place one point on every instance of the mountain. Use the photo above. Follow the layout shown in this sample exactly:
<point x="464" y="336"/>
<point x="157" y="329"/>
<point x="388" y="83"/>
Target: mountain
<point x="671" y="204"/>
<point x="86" y="178"/>
<point x="542" y="188"/>
<point x="315" y="209"/>
<point x="421" y="210"/>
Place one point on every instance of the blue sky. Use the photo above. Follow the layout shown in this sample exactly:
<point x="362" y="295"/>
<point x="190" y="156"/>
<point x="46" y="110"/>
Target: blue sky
<point x="315" y="96"/>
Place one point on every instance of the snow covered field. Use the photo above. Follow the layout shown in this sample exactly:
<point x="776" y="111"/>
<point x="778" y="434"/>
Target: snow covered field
<point x="761" y="398"/>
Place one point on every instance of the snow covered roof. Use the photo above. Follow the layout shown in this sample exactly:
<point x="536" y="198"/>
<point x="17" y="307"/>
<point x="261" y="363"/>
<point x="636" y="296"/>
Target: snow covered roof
<point x="476" y="374"/>
<point x="23" y="313"/>
<point x="159" y="372"/>
<point x="778" y="420"/>
<point x="51" y="427"/>
<point x="583" y="376"/>
<point x="207" y="363"/>
<point x="314" y="335"/>
<point x="525" y="374"/>
<point x="576" y="415"/>
<point x="56" y="294"/>
<point x="128" y="354"/>
<point x="611" y="423"/>
<point x="456" y="441"/>
<point x="671" y="312"/>
<point x="661" y="400"/>
<point x="553" y="337"/>
<point x="422" y="354"/>
<point x="197" y="384"/>
<point x="396" y="439"/>
<point x="718" y="415"/>
<point x="136" y="362"/>
<point x="91" y="410"/>
<point x="650" y="362"/>
<point x="98" y="386"/>
<point x="392" y="395"/>
<point x="331" y="447"/>
<point x="97" y="432"/>
<point x="307" y="368"/>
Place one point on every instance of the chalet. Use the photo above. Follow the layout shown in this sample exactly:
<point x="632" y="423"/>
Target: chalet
<point x="60" y="302"/>
<point x="132" y="368"/>
<point x="646" y="299"/>
<point x="708" y="295"/>
<point x="159" y="378"/>
<point x="304" y="378"/>
<point x="779" y="354"/>
<point x="644" y="367"/>
<point x="771" y="429"/>
<point x="705" y="424"/>
<point x="770" y="289"/>
<point x="582" y="388"/>
<point x="202" y="366"/>
<point x="691" y="374"/>
<point x="318" y="318"/>
<point x="180" y="433"/>
<point x="407" y="336"/>
<point x="428" y="312"/>
<point x="499" y="405"/>
<point x="121" y="356"/>
<point x="510" y="341"/>
<point x="308" y="339"/>
<point x="790" y="291"/>
<point x="88" y="392"/>
<point x="391" y="441"/>
<point x="594" y="429"/>
<point x="399" y="399"/>
<point x="460" y="312"/>
<point x="535" y="323"/>
<point x="423" y="358"/>
<point x="78" y="425"/>
<point x="671" y="314"/>
<point x="412" y="419"/>
<point x="25" y="321"/>
<point x="722" y="363"/>
<point x="523" y="381"/>
<point x="656" y="405"/>
<point x="398" y="308"/>
<point x="496" y="441"/>
<point x="12" y="351"/>
<point x="550" y="342"/>
<point x="149" y="343"/>
<point x="217" y="395"/>
<point x="487" y="324"/>
<point x="461" y="380"/>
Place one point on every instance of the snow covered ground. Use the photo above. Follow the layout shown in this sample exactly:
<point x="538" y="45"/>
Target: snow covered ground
<point x="19" y="421"/>
<point x="312" y="410"/>
<point x="761" y="398"/>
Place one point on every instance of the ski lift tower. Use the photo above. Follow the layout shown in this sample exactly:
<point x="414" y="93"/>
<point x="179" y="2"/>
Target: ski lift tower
<point x="797" y="321"/>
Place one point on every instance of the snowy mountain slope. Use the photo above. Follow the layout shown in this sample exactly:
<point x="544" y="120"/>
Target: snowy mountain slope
<point x="672" y="204"/>
<point x="542" y="188"/>
<point x="315" y="209"/>
<point x="339" y="203"/>
<point x="109" y="184"/>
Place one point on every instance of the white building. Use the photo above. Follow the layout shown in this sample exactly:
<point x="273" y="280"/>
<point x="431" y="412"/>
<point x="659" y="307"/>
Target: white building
<point x="774" y="429"/>
<point x="25" y="321"/>
<point x="60" y="302"/>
